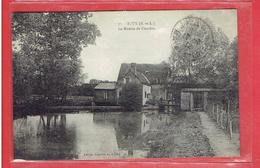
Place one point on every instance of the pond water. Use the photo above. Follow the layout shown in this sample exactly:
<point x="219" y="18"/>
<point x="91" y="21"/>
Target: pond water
<point x="86" y="135"/>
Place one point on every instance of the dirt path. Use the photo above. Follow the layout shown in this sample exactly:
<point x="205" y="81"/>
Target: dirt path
<point x="218" y="140"/>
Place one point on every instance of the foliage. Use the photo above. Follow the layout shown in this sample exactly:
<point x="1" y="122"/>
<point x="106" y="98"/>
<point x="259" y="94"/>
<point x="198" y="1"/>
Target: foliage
<point x="232" y="61"/>
<point x="229" y="76"/>
<point x="46" y="56"/>
<point x="200" y="51"/>
<point x="83" y="90"/>
<point x="131" y="97"/>
<point x="192" y="39"/>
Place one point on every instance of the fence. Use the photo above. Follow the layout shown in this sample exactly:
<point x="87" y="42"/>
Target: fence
<point x="227" y="118"/>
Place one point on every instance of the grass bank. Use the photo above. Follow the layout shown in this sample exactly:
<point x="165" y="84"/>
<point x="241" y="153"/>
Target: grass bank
<point x="182" y="137"/>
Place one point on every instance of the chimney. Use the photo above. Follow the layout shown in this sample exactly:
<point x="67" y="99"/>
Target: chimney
<point x="133" y="67"/>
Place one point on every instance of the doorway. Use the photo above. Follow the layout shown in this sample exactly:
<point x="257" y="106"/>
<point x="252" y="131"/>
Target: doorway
<point x="198" y="101"/>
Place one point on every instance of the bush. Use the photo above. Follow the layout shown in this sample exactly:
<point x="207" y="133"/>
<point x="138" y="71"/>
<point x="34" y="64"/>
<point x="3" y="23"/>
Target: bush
<point x="131" y="98"/>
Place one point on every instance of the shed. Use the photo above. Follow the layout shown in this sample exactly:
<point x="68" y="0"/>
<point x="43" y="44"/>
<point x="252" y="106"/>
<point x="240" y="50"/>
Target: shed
<point x="196" y="98"/>
<point x="106" y="93"/>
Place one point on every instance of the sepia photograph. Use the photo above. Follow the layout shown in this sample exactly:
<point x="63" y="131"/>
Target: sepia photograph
<point x="125" y="84"/>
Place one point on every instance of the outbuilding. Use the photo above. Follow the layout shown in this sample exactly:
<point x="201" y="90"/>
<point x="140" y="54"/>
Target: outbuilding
<point x="106" y="93"/>
<point x="196" y="99"/>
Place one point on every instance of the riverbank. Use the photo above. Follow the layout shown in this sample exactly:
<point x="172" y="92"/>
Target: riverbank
<point x="88" y="108"/>
<point x="220" y="142"/>
<point x="20" y="111"/>
<point x="23" y="110"/>
<point x="182" y="137"/>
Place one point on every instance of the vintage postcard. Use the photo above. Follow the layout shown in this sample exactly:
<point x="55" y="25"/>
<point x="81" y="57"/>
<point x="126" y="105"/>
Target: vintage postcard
<point x="125" y="84"/>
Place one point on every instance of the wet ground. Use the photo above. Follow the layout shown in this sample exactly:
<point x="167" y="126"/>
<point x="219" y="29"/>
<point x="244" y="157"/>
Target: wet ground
<point x="84" y="135"/>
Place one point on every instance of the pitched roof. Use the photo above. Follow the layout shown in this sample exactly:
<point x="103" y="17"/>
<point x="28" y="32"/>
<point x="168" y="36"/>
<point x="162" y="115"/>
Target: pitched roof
<point x="152" y="72"/>
<point x="106" y="86"/>
<point x="180" y="79"/>
<point x="140" y="76"/>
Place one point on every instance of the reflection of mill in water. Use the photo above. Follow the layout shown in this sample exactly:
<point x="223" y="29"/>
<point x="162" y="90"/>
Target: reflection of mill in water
<point x="127" y="127"/>
<point x="130" y="127"/>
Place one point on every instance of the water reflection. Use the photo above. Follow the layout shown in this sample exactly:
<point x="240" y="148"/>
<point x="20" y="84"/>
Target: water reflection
<point x="86" y="135"/>
<point x="43" y="137"/>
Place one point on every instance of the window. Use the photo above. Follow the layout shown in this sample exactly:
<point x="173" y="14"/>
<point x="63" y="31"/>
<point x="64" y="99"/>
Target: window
<point x="105" y="95"/>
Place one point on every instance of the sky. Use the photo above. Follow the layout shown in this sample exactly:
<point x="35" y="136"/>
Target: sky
<point x="149" y="42"/>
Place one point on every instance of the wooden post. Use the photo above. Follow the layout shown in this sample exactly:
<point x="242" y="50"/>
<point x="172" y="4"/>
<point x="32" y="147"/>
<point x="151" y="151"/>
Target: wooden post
<point x="167" y="107"/>
<point x="205" y="101"/>
<point x="221" y="120"/>
<point x="92" y="106"/>
<point x="231" y="129"/>
<point x="229" y="120"/>
<point x="217" y="113"/>
<point x="213" y="109"/>
<point x="191" y="102"/>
